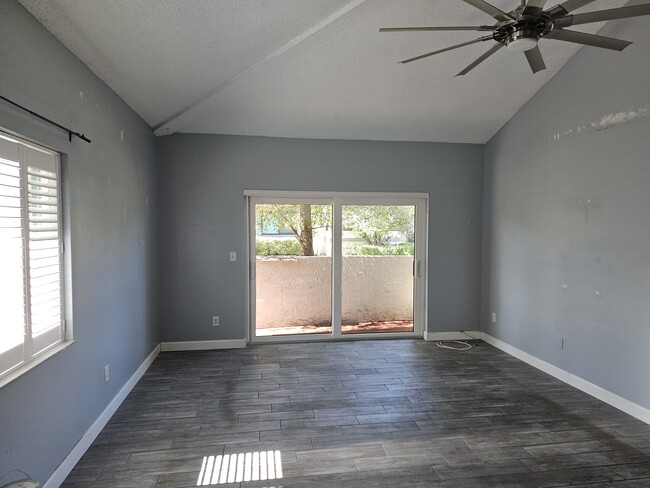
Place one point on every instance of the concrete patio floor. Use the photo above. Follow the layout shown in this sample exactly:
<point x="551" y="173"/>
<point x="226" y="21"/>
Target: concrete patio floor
<point x="357" y="328"/>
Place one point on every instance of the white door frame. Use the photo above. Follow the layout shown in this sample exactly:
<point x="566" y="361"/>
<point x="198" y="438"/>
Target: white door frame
<point x="337" y="200"/>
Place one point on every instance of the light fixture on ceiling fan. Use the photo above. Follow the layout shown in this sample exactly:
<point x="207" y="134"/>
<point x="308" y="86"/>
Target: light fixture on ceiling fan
<point x="522" y="28"/>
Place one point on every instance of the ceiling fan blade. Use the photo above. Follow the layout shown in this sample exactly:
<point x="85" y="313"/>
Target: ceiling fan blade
<point x="535" y="59"/>
<point x="490" y="9"/>
<point x="533" y="7"/>
<point x="473" y="41"/>
<point x="571" y="5"/>
<point x="602" y="15"/>
<point x="481" y="58"/>
<point x="426" y="29"/>
<point x="587" y="39"/>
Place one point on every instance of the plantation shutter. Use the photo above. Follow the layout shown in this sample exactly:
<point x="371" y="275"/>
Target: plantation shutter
<point x="30" y="244"/>
<point x="12" y="291"/>
<point x="44" y="249"/>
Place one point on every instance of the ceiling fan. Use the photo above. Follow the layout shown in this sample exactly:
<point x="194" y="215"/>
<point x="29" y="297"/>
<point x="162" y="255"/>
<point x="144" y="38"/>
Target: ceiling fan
<point x="522" y="28"/>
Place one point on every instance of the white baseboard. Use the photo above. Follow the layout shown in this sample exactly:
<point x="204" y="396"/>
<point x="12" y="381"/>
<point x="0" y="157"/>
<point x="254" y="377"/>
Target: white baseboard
<point x="68" y="464"/>
<point x="631" y="408"/>
<point x="202" y="345"/>
<point x="451" y="336"/>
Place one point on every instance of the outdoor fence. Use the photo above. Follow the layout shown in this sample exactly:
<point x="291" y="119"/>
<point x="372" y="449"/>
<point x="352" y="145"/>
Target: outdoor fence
<point x="296" y="290"/>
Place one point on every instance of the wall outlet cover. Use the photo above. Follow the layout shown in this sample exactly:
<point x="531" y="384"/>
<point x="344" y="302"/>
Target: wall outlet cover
<point x="215" y="321"/>
<point x="494" y="317"/>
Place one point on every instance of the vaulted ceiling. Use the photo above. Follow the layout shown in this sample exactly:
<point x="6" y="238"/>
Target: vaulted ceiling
<point x="303" y="68"/>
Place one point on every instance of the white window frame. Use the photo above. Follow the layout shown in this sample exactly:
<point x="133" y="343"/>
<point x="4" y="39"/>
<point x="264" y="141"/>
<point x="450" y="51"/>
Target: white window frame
<point x="36" y="349"/>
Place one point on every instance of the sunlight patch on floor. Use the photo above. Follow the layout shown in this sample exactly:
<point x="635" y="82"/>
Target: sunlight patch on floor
<point x="235" y="468"/>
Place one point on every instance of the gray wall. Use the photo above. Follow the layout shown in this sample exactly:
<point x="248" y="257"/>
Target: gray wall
<point x="203" y="178"/>
<point x="44" y="413"/>
<point x="540" y="233"/>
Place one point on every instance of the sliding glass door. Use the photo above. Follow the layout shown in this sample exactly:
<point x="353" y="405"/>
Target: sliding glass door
<point x="293" y="267"/>
<point x="378" y="258"/>
<point x="326" y="266"/>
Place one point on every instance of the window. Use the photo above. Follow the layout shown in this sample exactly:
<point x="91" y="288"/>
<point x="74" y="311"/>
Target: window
<point x="31" y="296"/>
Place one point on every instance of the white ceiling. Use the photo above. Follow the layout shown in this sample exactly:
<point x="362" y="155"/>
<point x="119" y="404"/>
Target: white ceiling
<point x="302" y="68"/>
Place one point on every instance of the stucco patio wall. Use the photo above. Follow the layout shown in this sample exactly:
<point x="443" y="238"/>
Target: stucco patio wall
<point x="296" y="290"/>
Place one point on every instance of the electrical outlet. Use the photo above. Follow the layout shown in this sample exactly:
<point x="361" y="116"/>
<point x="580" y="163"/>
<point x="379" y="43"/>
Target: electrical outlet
<point x="215" y="321"/>
<point x="233" y="255"/>
<point x="107" y="374"/>
<point x="494" y="317"/>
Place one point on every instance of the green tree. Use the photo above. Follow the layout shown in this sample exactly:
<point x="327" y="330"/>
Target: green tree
<point x="300" y="219"/>
<point x="374" y="223"/>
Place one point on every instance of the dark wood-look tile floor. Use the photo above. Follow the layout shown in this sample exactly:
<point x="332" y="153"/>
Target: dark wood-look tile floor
<point x="394" y="413"/>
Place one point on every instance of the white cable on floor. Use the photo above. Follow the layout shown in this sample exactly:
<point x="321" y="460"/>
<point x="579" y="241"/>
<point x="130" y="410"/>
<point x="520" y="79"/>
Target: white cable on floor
<point x="465" y="346"/>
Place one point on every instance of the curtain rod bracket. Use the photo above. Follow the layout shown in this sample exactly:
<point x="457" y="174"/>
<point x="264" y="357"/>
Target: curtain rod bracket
<point x="45" y="119"/>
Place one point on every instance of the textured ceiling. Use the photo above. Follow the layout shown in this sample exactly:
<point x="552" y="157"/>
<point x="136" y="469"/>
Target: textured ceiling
<point x="302" y="68"/>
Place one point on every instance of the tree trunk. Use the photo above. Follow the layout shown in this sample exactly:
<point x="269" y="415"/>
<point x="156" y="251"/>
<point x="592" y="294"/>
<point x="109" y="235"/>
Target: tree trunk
<point x="306" y="237"/>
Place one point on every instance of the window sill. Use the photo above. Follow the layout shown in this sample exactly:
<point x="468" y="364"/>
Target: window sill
<point x="21" y="370"/>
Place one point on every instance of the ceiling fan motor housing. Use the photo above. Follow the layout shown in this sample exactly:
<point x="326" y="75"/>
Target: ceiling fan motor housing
<point x="522" y="40"/>
<point x="522" y="34"/>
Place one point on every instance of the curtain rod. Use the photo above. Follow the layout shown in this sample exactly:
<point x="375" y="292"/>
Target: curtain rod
<point x="45" y="119"/>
